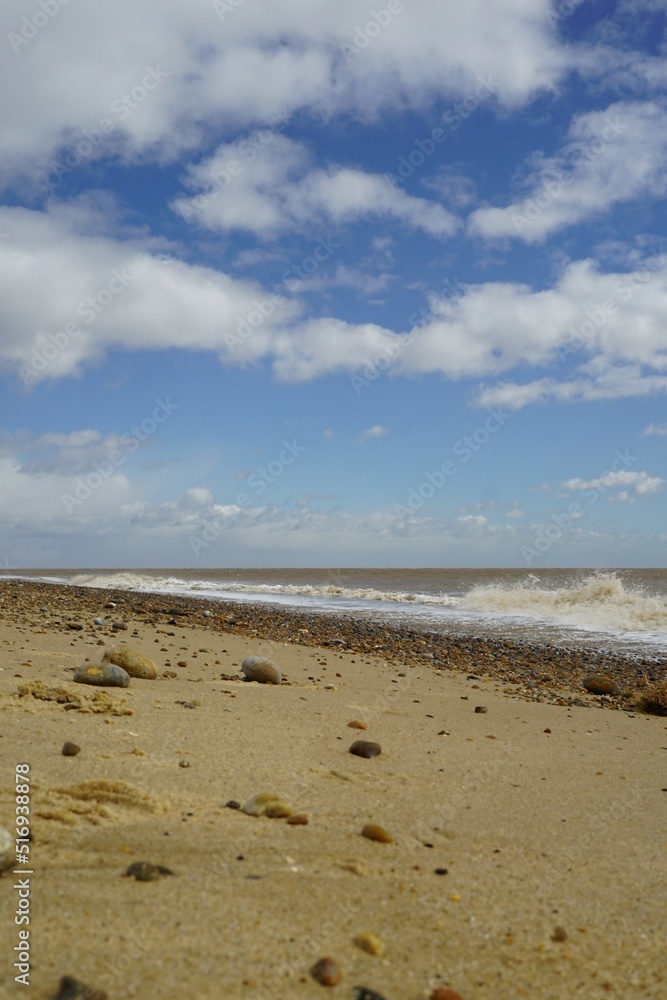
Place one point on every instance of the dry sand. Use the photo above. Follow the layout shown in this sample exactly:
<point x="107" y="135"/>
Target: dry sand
<point x="536" y="829"/>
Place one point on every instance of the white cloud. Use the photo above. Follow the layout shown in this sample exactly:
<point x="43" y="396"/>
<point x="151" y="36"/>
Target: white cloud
<point x="376" y="431"/>
<point x="660" y="430"/>
<point x="263" y="56"/>
<point x="610" y="156"/>
<point x="265" y="190"/>
<point x="640" y="482"/>
<point x="67" y="296"/>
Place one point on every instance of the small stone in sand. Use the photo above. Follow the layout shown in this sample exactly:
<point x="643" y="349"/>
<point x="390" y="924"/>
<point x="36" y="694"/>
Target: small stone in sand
<point x="102" y="675"/>
<point x="363" y="993"/>
<point x="326" y="972"/>
<point x="599" y="684"/>
<point x="374" y="832"/>
<point x="480" y="709"/>
<point x="184" y="763"/>
<point x="364" y="748"/>
<point x="133" y="662"/>
<point x="356" y="725"/>
<point x="7" y="849"/>
<point x="70" y="749"/>
<point x="257" y="668"/>
<point x="72" y="989"/>
<point x="267" y="804"/>
<point x="143" y="871"/>
<point x="119" y="627"/>
<point x="300" y="819"/>
<point x="444" y="994"/>
<point x="369" y="943"/>
<point x="99" y="621"/>
<point x="233" y="804"/>
<point x="559" y="934"/>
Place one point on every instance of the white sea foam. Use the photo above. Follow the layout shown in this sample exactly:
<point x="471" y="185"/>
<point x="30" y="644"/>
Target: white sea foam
<point x="599" y="601"/>
<point x="176" y="585"/>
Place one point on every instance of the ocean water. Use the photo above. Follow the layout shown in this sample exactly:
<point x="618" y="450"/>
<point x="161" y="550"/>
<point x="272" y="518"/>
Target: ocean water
<point x="621" y="610"/>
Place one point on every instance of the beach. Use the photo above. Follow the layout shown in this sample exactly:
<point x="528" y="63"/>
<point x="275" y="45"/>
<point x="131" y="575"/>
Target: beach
<point x="525" y="816"/>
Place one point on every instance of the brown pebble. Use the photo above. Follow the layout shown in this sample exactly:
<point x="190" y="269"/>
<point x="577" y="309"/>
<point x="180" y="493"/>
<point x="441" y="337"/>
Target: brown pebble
<point x="355" y="724"/>
<point x="326" y="972"/>
<point x="559" y="934"/>
<point x="480" y="709"/>
<point x="599" y="684"/>
<point x="547" y="730"/>
<point x="444" y="994"/>
<point x="364" y="748"/>
<point x="70" y="749"/>
<point x="374" y="832"/>
<point x="143" y="871"/>
<point x="72" y="989"/>
<point x="299" y="820"/>
<point x="182" y="663"/>
<point x="184" y="763"/>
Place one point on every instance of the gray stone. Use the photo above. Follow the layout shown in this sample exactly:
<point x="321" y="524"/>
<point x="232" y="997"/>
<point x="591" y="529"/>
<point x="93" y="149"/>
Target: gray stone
<point x="132" y="661"/>
<point x="257" y="668"/>
<point x="102" y="675"/>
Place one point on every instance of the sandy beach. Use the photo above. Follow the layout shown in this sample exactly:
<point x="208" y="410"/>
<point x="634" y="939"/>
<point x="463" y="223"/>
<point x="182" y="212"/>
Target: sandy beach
<point x="527" y="841"/>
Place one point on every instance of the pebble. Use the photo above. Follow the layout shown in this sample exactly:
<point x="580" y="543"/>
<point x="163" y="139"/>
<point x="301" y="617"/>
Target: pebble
<point x="99" y="621"/>
<point x="363" y="993"/>
<point x="356" y="725"/>
<point x="599" y="684"/>
<point x="266" y="804"/>
<point x="102" y="675"/>
<point x="444" y="994"/>
<point x="326" y="972"/>
<point x="364" y="748"/>
<point x="374" y="832"/>
<point x="559" y="934"/>
<point x="119" y="626"/>
<point x="143" y="871"/>
<point x="72" y="989"/>
<point x="132" y="661"/>
<point x="299" y="819"/>
<point x="7" y="847"/>
<point x="480" y="709"/>
<point x="232" y="804"/>
<point x="74" y="626"/>
<point x="257" y="668"/>
<point x="70" y="749"/>
<point x="370" y="943"/>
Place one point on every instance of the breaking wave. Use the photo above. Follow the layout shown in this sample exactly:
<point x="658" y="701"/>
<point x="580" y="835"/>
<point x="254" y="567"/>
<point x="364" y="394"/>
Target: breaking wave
<point x="600" y="601"/>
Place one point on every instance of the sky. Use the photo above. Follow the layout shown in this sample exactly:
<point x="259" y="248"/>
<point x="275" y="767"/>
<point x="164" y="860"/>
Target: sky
<point x="316" y="284"/>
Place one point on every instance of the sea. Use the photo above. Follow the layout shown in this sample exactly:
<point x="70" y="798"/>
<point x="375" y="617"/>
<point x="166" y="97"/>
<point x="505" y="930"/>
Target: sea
<point x="622" y="610"/>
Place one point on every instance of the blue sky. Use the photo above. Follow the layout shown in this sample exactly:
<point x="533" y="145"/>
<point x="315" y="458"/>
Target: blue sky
<point x="331" y="285"/>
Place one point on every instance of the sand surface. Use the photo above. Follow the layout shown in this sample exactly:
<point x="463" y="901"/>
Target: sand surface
<point x="536" y="830"/>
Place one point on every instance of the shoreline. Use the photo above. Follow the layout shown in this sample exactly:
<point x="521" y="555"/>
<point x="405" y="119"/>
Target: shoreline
<point x="532" y="671"/>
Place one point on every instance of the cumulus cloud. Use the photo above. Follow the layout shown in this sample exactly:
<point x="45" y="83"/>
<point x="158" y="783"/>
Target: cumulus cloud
<point x="270" y="188"/>
<point x="224" y="72"/>
<point x="609" y="157"/>
<point x="640" y="482"/>
<point x="376" y="431"/>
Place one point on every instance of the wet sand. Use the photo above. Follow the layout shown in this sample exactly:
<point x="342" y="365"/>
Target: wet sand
<point x="528" y="830"/>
